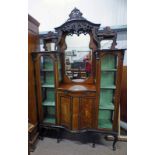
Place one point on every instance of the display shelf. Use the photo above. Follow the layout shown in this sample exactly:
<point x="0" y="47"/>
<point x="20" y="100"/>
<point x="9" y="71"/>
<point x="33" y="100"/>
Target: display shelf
<point x="45" y="85"/>
<point x="108" y="70"/>
<point x="106" y="97"/>
<point x="107" y="78"/>
<point x="48" y="103"/>
<point x="47" y="70"/>
<point x="49" y="120"/>
<point x="108" y="87"/>
<point x="106" y="107"/>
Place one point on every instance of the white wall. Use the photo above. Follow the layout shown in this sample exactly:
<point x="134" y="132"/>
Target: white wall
<point x="53" y="13"/>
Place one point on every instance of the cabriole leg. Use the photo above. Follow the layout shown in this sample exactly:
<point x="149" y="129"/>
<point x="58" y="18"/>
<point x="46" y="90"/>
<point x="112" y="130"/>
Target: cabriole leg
<point x="114" y="142"/>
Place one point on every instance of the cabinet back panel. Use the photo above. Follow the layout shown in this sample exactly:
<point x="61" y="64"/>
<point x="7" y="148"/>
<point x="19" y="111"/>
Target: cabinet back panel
<point x="105" y="119"/>
<point x="107" y="78"/>
<point x="106" y="97"/>
<point x="47" y="64"/>
<point x="108" y="62"/>
<point x="50" y="94"/>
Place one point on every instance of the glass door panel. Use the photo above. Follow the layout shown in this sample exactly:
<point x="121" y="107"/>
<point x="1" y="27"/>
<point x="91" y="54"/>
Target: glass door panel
<point x="48" y="89"/>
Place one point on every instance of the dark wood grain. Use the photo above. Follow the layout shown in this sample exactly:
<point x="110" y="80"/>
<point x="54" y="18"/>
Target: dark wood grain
<point x="33" y="45"/>
<point x="123" y="99"/>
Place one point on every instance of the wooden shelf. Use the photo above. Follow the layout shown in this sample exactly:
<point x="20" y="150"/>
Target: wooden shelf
<point x="108" y="87"/>
<point x="45" y="85"/>
<point x="48" y="103"/>
<point x="47" y="70"/>
<point x="49" y="120"/>
<point x="109" y="70"/>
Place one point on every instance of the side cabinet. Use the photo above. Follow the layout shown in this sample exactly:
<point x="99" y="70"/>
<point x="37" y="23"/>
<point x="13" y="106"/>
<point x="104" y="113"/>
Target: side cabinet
<point x="76" y="110"/>
<point x="45" y="75"/>
<point x="109" y="66"/>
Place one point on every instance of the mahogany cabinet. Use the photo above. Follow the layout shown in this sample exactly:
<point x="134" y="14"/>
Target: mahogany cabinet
<point x="91" y="102"/>
<point x="109" y="75"/>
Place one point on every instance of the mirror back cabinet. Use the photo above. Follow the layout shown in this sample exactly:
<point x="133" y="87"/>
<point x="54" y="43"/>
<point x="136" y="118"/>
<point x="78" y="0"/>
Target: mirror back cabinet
<point x="70" y="96"/>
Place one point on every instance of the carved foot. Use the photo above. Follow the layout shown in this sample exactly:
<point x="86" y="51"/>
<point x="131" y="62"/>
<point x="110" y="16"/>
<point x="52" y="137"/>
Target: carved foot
<point x="41" y="137"/>
<point x="58" y="140"/>
<point x="114" y="142"/>
<point x="93" y="145"/>
<point x="58" y="135"/>
<point x="114" y="148"/>
<point x="93" y="140"/>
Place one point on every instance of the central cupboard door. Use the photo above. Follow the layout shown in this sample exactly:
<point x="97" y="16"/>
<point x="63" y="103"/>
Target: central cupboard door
<point x="65" y="111"/>
<point x="76" y="112"/>
<point x="86" y="113"/>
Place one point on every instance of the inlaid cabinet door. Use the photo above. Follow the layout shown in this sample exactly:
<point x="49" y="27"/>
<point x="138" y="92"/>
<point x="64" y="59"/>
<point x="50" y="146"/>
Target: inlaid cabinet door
<point x="86" y="112"/>
<point x="65" y="111"/>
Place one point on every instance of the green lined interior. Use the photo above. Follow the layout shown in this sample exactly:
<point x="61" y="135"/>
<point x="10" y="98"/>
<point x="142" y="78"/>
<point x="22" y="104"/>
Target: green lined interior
<point x="107" y="86"/>
<point x="49" y="114"/>
<point x="108" y="78"/>
<point x="106" y="99"/>
<point x="48" y="64"/>
<point x="48" y="91"/>
<point x="108" y="62"/>
<point x="48" y="78"/>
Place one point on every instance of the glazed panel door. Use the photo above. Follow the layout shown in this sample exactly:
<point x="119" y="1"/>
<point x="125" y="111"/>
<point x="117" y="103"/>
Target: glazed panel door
<point x="107" y="91"/>
<point x="110" y="81"/>
<point x="48" y="89"/>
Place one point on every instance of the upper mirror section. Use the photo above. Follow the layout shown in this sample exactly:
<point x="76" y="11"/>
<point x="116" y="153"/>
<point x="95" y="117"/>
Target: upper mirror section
<point x="78" y="57"/>
<point x="106" y="44"/>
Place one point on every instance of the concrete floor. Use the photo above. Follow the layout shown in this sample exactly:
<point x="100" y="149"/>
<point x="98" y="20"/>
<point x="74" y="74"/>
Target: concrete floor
<point x="49" y="146"/>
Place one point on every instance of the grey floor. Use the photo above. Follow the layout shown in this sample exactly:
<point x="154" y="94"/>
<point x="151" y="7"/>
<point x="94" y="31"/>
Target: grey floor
<point x="49" y="146"/>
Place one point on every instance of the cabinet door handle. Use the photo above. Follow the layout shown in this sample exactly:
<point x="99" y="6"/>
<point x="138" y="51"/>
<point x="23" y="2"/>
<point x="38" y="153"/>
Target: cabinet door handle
<point x="65" y="92"/>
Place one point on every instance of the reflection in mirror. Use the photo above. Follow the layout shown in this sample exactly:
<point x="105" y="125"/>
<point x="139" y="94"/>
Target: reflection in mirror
<point x="78" y="57"/>
<point x="50" y="46"/>
<point x="106" y="44"/>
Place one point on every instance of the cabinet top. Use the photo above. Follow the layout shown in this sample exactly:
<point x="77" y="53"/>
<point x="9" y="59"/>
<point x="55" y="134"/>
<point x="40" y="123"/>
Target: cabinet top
<point x="33" y="20"/>
<point x="77" y="87"/>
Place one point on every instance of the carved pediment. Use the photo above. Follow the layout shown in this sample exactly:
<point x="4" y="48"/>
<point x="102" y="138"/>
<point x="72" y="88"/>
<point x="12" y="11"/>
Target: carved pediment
<point x="75" y="15"/>
<point x="76" y="24"/>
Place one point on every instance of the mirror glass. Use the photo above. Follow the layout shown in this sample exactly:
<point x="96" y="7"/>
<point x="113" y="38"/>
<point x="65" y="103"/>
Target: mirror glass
<point x="106" y="44"/>
<point x="78" y="57"/>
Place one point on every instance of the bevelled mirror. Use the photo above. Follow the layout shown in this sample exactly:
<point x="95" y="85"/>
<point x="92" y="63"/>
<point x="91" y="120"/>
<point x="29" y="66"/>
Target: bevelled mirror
<point x="78" y="57"/>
